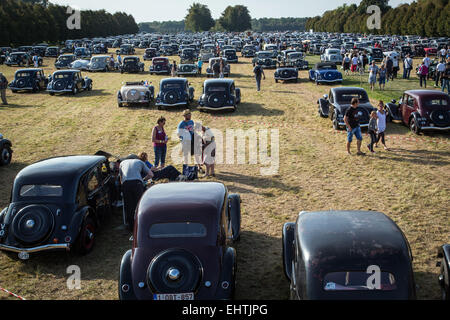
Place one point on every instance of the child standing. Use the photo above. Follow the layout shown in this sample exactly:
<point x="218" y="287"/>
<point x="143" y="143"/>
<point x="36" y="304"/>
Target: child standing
<point x="372" y="130"/>
<point x="381" y="124"/>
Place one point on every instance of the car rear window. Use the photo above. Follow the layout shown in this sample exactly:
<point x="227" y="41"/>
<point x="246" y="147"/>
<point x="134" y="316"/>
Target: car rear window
<point x="436" y="102"/>
<point x="63" y="76"/>
<point x="36" y="190"/>
<point x="23" y="74"/>
<point x="358" y="281"/>
<point x="177" y="230"/>
<point x="172" y="86"/>
<point x="347" y="97"/>
<point x="216" y="89"/>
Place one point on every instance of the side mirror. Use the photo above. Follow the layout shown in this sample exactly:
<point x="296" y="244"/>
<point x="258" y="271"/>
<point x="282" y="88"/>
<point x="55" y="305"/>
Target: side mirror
<point x="394" y="101"/>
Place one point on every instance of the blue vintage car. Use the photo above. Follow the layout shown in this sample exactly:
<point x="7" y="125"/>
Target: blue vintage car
<point x="325" y="72"/>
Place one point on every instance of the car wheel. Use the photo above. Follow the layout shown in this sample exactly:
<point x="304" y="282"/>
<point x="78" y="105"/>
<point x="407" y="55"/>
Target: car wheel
<point x="74" y="90"/>
<point x="413" y="126"/>
<point x="90" y="87"/>
<point x="317" y="83"/>
<point x="120" y="104"/>
<point x="335" y="121"/>
<point x="160" y="108"/>
<point x="14" y="91"/>
<point x="5" y="156"/>
<point x="52" y="93"/>
<point x="276" y="80"/>
<point x="86" y="239"/>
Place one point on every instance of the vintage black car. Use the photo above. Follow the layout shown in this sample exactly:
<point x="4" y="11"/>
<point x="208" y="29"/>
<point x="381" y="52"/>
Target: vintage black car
<point x="100" y="48"/>
<point x="188" y="69"/>
<point x="57" y="204"/>
<point x="286" y="74"/>
<point x="21" y="59"/>
<point x="174" y="92"/>
<point x="248" y="51"/>
<point x="131" y="65"/>
<point x="377" y="54"/>
<point x="82" y="53"/>
<point x="68" y="81"/>
<point x="444" y="274"/>
<point x="219" y="94"/>
<point x="188" y="55"/>
<point x="29" y="80"/>
<point x="421" y="110"/>
<point x="150" y="53"/>
<point x="338" y="101"/>
<point x="325" y="72"/>
<point x="126" y="49"/>
<point x="39" y="50"/>
<point x="5" y="151"/>
<point x="265" y="59"/>
<point x="230" y="55"/>
<point x="297" y="60"/>
<point x="52" y="52"/>
<point x="64" y="61"/>
<point x="182" y="247"/>
<point x="347" y="255"/>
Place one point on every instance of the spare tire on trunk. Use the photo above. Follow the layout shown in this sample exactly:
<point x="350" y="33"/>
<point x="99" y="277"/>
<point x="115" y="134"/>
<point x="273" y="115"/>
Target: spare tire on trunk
<point x="33" y="224"/>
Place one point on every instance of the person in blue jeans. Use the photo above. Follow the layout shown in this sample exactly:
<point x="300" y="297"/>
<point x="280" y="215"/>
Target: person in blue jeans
<point x="159" y="139"/>
<point x="351" y="120"/>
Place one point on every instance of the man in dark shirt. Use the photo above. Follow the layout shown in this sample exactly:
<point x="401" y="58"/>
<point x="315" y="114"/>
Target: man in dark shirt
<point x="258" y="71"/>
<point x="216" y="69"/>
<point x="3" y="86"/>
<point x="351" y="120"/>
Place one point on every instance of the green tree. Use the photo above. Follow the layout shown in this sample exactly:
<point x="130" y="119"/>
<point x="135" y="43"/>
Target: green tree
<point x="198" y="18"/>
<point x="236" y="18"/>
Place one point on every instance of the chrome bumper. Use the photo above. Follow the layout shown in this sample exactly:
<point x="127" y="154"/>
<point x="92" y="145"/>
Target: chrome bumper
<point x="25" y="88"/>
<point x="434" y="128"/>
<point x="47" y="247"/>
<point x="279" y="78"/>
<point x="171" y="105"/>
<point x="218" y="108"/>
<point x="56" y="91"/>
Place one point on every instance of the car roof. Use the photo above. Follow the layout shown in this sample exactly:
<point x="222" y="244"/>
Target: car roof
<point x="67" y="71"/>
<point x="347" y="89"/>
<point x="215" y="81"/>
<point x="426" y="93"/>
<point x="29" y="69"/>
<point x="323" y="64"/>
<point x="65" y="171"/>
<point x="173" y="80"/>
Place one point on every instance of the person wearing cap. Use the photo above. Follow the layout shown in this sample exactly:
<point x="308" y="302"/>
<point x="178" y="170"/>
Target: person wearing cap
<point x="3" y="86"/>
<point x="186" y="134"/>
<point x="132" y="172"/>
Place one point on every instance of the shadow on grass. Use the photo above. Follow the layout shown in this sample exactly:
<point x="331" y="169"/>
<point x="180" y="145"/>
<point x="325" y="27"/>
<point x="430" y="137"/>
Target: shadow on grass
<point x="256" y="182"/>
<point x="423" y="157"/>
<point x="15" y="106"/>
<point x="246" y="109"/>
<point x="260" y="272"/>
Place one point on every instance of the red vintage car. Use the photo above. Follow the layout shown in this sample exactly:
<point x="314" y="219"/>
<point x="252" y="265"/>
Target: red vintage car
<point x="160" y="65"/>
<point x="421" y="110"/>
<point x="182" y="241"/>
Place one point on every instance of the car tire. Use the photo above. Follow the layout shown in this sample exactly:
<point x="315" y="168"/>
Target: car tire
<point x="52" y="93"/>
<point x="160" y="108"/>
<point x="120" y="105"/>
<point x="86" y="238"/>
<point x="413" y="126"/>
<point x="74" y="90"/>
<point x="5" y="155"/>
<point x="14" y="91"/>
<point x="90" y="87"/>
<point x="276" y="80"/>
<point x="335" y="121"/>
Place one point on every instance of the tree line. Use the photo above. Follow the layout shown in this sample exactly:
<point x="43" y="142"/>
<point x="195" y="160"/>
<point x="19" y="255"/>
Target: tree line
<point x="29" y="22"/>
<point x="233" y="19"/>
<point x="428" y="18"/>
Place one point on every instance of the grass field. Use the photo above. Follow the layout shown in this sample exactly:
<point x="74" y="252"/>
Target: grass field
<point x="410" y="183"/>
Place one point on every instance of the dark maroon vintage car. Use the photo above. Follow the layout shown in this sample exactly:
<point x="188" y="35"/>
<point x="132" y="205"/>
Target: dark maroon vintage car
<point x="422" y="110"/>
<point x="182" y="244"/>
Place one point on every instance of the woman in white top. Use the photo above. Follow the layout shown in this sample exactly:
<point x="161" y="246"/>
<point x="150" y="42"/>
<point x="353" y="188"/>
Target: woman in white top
<point x="381" y="125"/>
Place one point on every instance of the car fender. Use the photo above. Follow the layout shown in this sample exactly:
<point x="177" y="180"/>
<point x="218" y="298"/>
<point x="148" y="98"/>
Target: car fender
<point x="288" y="248"/>
<point x="78" y="218"/>
<point x="324" y="105"/>
<point x="125" y="278"/>
<point x="393" y="111"/>
<point x="191" y="93"/>
<point x="238" y="95"/>
<point x="416" y="117"/>
<point x="234" y="205"/>
<point x="228" y="275"/>
<point x="5" y="143"/>
<point x="312" y="75"/>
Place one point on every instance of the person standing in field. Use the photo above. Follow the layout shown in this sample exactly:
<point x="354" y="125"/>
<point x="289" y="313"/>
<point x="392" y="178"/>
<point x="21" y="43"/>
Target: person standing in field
<point x="381" y="124"/>
<point x="382" y="77"/>
<point x="408" y="65"/>
<point x="200" y="65"/>
<point x="159" y="139"/>
<point x="3" y="86"/>
<point x="423" y="74"/>
<point x="446" y="79"/>
<point x="354" y="64"/>
<point x="174" y="69"/>
<point x="373" y="71"/>
<point x="346" y="64"/>
<point x="440" y="69"/>
<point x="352" y="123"/>
<point x="259" y="72"/>
<point x="372" y="130"/>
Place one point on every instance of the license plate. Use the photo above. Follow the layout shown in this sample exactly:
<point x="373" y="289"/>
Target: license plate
<point x="174" y="296"/>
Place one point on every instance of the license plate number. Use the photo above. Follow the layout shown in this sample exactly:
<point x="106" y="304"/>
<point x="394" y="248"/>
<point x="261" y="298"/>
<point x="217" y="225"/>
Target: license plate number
<point x="174" y="296"/>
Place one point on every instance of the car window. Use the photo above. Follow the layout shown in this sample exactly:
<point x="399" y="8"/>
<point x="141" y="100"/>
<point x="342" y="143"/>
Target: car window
<point x="93" y="182"/>
<point x="438" y="102"/>
<point x="41" y="191"/>
<point x="23" y="74"/>
<point x="347" y="97"/>
<point x="410" y="101"/>
<point x="177" y="230"/>
<point x="216" y="88"/>
<point x="357" y="280"/>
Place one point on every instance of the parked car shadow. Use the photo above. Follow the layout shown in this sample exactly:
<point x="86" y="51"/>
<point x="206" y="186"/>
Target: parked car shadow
<point x="248" y="109"/>
<point x="424" y="157"/>
<point x="260" y="272"/>
<point x="256" y="181"/>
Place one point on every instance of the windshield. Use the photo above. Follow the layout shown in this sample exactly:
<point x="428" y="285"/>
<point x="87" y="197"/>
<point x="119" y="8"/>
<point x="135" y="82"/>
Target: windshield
<point x="295" y="56"/>
<point x="41" y="191"/>
<point x="98" y="59"/>
<point x="358" y="280"/>
<point x="177" y="230"/>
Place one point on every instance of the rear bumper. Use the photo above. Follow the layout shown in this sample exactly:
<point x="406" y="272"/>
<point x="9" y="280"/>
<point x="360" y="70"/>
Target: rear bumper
<point x="161" y="71"/>
<point x="57" y="91"/>
<point x="329" y="81"/>
<point x="290" y="78"/>
<point x="218" y="108"/>
<point x="171" y="105"/>
<point x="48" y="247"/>
<point x="24" y="88"/>
<point x="435" y="128"/>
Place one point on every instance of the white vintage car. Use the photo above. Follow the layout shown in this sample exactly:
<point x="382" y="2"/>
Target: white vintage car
<point x="136" y="93"/>
<point x="332" y="55"/>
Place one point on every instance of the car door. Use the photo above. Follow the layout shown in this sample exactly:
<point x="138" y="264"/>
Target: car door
<point x="407" y="108"/>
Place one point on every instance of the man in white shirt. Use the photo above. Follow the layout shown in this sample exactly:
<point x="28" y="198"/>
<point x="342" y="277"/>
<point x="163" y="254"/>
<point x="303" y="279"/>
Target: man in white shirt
<point x="408" y="65"/>
<point x="440" y="69"/>
<point x="132" y="173"/>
